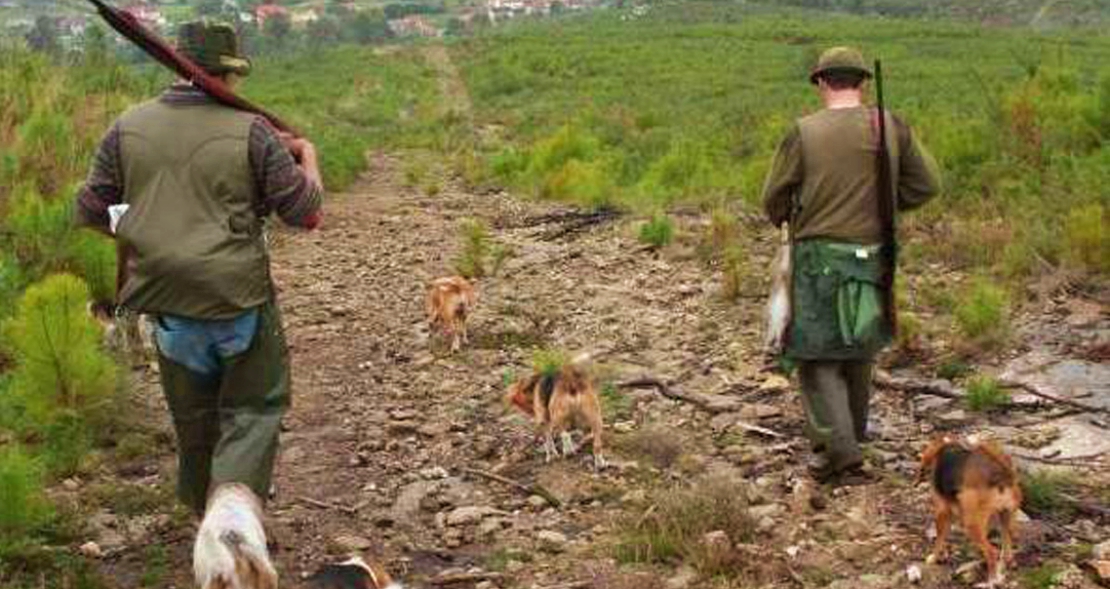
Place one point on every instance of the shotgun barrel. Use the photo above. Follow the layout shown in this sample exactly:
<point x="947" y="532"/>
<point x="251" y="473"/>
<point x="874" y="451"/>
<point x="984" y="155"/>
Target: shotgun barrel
<point x="127" y="25"/>
<point x="887" y="209"/>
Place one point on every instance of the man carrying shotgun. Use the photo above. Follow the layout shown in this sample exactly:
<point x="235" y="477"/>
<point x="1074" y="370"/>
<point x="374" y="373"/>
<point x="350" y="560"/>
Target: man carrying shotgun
<point x="825" y="182"/>
<point x="198" y="178"/>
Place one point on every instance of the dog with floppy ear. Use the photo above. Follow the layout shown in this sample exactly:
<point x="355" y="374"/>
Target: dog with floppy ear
<point x="974" y="481"/>
<point x="448" y="304"/>
<point x="557" y="402"/>
<point x="230" y="549"/>
<point x="356" y="573"/>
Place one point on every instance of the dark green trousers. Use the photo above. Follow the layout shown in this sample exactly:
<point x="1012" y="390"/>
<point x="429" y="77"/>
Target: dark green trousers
<point x="227" y="425"/>
<point x="837" y="400"/>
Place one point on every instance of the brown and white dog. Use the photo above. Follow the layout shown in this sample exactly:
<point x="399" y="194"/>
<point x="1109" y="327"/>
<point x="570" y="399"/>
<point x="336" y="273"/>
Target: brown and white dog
<point x="558" y="402"/>
<point x="230" y="549"/>
<point x="975" y="481"/>
<point x="356" y="573"/>
<point x="448" y="304"/>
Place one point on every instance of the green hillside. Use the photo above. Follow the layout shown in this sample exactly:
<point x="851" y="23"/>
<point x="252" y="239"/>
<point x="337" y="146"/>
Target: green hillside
<point x="686" y="103"/>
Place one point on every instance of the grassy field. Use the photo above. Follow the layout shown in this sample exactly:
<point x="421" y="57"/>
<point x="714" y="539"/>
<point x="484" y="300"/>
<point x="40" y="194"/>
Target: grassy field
<point x="686" y="105"/>
<point x="348" y="100"/>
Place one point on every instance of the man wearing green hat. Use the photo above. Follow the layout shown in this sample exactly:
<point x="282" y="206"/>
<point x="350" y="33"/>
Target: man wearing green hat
<point x="184" y="184"/>
<point x="824" y="184"/>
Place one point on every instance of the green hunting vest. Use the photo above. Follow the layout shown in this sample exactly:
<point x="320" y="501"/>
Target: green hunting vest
<point x="197" y="247"/>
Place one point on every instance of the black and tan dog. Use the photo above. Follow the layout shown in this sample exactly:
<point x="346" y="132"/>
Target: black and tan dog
<point x="556" y="403"/>
<point x="974" y="481"/>
<point x="356" y="573"/>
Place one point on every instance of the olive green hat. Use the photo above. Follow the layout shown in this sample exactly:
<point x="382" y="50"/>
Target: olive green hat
<point x="840" y="59"/>
<point x="213" y="46"/>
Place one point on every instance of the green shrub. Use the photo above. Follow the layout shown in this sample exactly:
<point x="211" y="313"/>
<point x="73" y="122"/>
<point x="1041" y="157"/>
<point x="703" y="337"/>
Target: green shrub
<point x="1048" y="492"/>
<point x="585" y="183"/>
<point x="721" y="234"/>
<point x="982" y="315"/>
<point x="675" y="529"/>
<point x="657" y="232"/>
<point x="549" y="361"/>
<point x="23" y="507"/>
<point x="734" y="268"/>
<point x="953" y="368"/>
<point x="1088" y="241"/>
<point x="985" y="394"/>
<point x="63" y="383"/>
<point x="471" y="261"/>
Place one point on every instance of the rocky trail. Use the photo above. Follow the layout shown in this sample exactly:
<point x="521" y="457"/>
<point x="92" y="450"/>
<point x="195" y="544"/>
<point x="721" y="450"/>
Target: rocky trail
<point x="388" y="427"/>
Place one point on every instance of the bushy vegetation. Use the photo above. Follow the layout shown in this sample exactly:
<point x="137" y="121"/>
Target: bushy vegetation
<point x="982" y="314"/>
<point x="349" y="100"/>
<point x="1048" y="493"/>
<point x="675" y="530"/>
<point x="687" y="104"/>
<point x="549" y="361"/>
<point x="985" y="394"/>
<point x="658" y="231"/>
<point x="471" y="261"/>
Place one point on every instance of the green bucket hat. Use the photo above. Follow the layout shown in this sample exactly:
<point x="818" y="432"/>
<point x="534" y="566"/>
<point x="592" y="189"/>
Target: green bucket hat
<point x="212" y="46"/>
<point x="840" y="59"/>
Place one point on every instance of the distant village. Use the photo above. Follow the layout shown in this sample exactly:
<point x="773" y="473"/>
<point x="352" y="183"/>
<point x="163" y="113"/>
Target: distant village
<point x="18" y="19"/>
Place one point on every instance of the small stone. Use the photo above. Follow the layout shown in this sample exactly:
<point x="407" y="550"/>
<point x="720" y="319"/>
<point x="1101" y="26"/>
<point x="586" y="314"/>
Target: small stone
<point x="71" y="484"/>
<point x="1102" y="551"/>
<point x="491" y="526"/>
<point x="772" y="510"/>
<point x="793" y="551"/>
<point x="913" y="574"/>
<point x="683" y="580"/>
<point x="351" y="543"/>
<point x="91" y="550"/>
<point x="775" y="382"/>
<point x="537" y="502"/>
<point x="1102" y="569"/>
<point x="954" y="416"/>
<point x="637" y="497"/>
<point x="551" y="541"/>
<point x="464" y="516"/>
<point x="485" y="585"/>
<point x="716" y="540"/>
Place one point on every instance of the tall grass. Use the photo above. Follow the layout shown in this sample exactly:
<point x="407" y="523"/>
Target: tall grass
<point x="687" y="104"/>
<point x="349" y="100"/>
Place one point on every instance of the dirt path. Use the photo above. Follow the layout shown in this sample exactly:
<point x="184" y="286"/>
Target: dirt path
<point x="385" y="422"/>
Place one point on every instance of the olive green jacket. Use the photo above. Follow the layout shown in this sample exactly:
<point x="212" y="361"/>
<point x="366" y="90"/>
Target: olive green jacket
<point x="826" y="168"/>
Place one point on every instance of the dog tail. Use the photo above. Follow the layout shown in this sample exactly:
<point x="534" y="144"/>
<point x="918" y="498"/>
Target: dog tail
<point x="230" y="562"/>
<point x="230" y="549"/>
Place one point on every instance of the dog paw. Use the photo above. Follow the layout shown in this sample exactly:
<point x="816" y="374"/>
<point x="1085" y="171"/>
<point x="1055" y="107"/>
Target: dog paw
<point x="568" y="444"/>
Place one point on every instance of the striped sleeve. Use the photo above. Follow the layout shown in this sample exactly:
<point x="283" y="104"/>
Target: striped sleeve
<point x="104" y="185"/>
<point x="283" y="188"/>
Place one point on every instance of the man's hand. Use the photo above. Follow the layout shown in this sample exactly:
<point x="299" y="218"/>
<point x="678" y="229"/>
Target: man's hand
<point x="305" y="153"/>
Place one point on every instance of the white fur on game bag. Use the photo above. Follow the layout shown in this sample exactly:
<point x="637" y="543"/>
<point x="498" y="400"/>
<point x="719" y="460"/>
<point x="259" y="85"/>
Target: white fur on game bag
<point x="778" y="304"/>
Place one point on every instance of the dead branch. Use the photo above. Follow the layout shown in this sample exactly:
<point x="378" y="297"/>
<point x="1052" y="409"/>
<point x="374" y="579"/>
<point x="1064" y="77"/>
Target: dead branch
<point x="1084" y="460"/>
<point x="571" y="585"/>
<point x="531" y="489"/>
<point x="453" y="578"/>
<point x="936" y="388"/>
<point x="579" y="225"/>
<point x="709" y="403"/>
<point x="326" y="505"/>
<point x="566" y="216"/>
<point x="1009" y="384"/>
